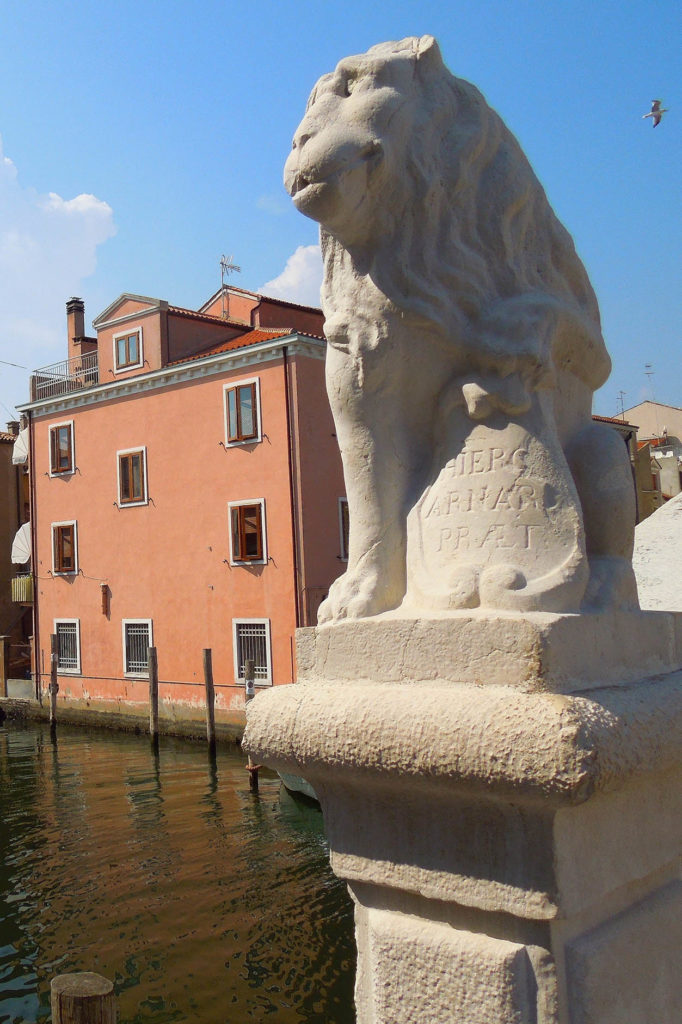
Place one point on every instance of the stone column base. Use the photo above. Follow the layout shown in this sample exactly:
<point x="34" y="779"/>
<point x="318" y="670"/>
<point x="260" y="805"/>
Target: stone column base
<point x="513" y="851"/>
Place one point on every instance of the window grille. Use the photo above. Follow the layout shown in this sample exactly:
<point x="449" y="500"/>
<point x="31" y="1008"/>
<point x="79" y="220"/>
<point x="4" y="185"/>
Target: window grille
<point x="137" y="643"/>
<point x="252" y="642"/>
<point x="67" y="646"/>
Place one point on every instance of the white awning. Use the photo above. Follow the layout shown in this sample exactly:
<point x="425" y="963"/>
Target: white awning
<point x="20" y="450"/>
<point x="21" y="545"/>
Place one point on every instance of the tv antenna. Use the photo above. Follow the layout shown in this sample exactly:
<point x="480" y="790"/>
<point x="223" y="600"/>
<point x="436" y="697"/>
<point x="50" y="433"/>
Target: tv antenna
<point x="621" y="396"/>
<point x="227" y="267"/>
<point x="649" y="372"/>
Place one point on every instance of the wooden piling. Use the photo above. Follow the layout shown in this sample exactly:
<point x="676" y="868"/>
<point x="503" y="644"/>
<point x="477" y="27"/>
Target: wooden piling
<point x="4" y="665"/>
<point x="210" y="698"/>
<point x="153" y="666"/>
<point x="54" y="685"/>
<point x="249" y="676"/>
<point x="82" y="998"/>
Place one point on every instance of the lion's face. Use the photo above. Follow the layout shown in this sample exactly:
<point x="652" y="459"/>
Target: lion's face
<point x="344" y="147"/>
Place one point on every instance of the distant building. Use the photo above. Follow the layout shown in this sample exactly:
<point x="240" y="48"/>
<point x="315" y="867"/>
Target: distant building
<point x="644" y="470"/>
<point x="15" y="581"/>
<point x="661" y="426"/>
<point x="188" y="494"/>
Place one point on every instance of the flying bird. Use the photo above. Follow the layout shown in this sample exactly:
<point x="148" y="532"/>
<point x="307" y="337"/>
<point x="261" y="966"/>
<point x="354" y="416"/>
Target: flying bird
<point x="656" y="112"/>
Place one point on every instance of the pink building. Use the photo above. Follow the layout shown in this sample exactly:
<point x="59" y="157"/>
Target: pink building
<point x="187" y="494"/>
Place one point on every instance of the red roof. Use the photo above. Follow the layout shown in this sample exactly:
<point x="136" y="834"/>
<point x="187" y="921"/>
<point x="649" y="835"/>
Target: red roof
<point x="190" y="314"/>
<point x="253" y="337"/>
<point x="260" y="296"/>
<point x="612" y="419"/>
<point x="6" y="438"/>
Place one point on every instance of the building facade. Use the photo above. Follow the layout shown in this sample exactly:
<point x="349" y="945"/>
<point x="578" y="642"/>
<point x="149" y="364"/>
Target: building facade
<point x="187" y="495"/>
<point x="661" y="426"/>
<point x="16" y="622"/>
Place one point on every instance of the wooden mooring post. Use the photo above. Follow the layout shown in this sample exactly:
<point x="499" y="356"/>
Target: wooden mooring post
<point x="4" y="665"/>
<point x="249" y="677"/>
<point x="210" y="699"/>
<point x="153" y="666"/>
<point x="82" y="998"/>
<point x="54" y="685"/>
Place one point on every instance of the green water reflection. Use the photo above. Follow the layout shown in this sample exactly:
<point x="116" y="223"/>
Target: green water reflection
<point x="164" y="873"/>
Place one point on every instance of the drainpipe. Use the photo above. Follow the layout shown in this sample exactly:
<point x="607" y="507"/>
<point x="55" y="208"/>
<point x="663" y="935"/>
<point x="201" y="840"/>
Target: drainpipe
<point x="290" y="453"/>
<point x="34" y="549"/>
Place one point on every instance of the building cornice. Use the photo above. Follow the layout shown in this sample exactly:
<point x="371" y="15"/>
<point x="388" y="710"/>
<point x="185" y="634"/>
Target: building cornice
<point x="154" y="304"/>
<point x="180" y="373"/>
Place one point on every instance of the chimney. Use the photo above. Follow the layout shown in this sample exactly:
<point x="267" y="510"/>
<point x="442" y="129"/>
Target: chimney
<point x="75" y="319"/>
<point x="79" y="345"/>
<point x="13" y="427"/>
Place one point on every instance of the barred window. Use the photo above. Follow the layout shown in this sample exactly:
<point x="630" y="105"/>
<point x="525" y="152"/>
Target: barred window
<point x="252" y="640"/>
<point x="137" y="639"/>
<point x="68" y="645"/>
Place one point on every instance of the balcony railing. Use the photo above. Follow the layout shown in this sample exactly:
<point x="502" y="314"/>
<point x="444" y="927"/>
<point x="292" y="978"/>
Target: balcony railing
<point x="65" y="377"/>
<point x="22" y="589"/>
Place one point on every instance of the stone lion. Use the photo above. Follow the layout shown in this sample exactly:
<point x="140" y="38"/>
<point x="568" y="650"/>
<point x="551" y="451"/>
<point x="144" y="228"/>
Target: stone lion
<point x="452" y="294"/>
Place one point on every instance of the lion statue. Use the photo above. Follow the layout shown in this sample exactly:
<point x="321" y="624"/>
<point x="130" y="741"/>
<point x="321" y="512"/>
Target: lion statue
<point x="454" y="300"/>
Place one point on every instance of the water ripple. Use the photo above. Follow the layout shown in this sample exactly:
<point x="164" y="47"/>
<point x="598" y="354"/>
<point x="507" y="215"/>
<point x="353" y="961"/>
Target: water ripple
<point x="166" y="875"/>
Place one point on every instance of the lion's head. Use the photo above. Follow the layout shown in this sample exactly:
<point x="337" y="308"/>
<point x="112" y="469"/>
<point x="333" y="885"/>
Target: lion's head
<point x="419" y="186"/>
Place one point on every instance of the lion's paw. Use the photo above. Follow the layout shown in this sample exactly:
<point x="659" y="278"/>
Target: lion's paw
<point x="357" y="595"/>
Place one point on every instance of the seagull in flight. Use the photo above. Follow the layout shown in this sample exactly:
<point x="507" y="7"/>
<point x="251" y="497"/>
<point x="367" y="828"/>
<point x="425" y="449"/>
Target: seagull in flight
<point x="656" y="112"/>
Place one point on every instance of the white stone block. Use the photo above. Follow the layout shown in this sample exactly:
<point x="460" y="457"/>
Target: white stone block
<point x="629" y="970"/>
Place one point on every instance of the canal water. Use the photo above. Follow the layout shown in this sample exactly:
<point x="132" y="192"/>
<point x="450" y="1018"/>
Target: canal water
<point x="201" y="901"/>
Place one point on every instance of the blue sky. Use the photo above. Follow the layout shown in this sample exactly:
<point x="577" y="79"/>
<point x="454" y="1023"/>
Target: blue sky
<point x="140" y="141"/>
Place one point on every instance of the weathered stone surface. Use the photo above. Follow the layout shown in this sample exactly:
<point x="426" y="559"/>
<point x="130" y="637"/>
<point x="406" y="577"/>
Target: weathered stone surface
<point x="534" y="819"/>
<point x="628" y="969"/>
<point x="542" y="651"/>
<point x="465" y="977"/>
<point x="500" y="781"/>
<point x="464" y="348"/>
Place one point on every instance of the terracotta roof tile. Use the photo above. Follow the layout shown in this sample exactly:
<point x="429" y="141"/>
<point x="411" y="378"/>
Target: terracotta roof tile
<point x="6" y="438"/>
<point x="612" y="419"/>
<point x="191" y="314"/>
<point x="253" y="337"/>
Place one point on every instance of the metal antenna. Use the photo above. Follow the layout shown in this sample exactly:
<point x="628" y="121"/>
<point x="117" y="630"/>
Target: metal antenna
<point x="621" y="396"/>
<point x="227" y="267"/>
<point x="649" y="371"/>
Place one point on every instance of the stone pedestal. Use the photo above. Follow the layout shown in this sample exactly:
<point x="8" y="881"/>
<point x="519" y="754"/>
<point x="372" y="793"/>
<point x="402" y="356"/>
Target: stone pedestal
<point x="503" y="796"/>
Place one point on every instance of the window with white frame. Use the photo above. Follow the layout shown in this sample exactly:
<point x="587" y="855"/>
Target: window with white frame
<point x="252" y="640"/>
<point x="247" y="532"/>
<point x="242" y="411"/>
<point x="67" y="632"/>
<point x="137" y="639"/>
<point x="128" y="349"/>
<point x="62" y="458"/>
<point x="344" y="528"/>
<point x="132" y="476"/>
<point x="65" y="548"/>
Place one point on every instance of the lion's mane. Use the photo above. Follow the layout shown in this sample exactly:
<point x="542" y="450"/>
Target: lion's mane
<point x="472" y="246"/>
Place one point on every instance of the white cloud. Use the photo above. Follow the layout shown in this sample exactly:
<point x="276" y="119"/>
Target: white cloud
<point x="48" y="245"/>
<point x="301" y="279"/>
